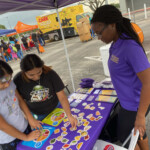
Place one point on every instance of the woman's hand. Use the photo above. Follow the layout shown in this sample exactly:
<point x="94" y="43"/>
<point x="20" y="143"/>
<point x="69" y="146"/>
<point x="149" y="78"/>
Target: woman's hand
<point x="33" y="135"/>
<point x="73" y="121"/>
<point x="140" y="124"/>
<point x="35" y="124"/>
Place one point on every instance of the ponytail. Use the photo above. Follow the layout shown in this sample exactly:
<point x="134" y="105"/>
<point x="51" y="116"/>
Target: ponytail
<point x="126" y="27"/>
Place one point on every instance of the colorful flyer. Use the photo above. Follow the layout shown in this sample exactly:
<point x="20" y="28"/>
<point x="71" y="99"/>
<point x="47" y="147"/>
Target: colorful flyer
<point x="55" y="117"/>
<point x="108" y="92"/>
<point x="90" y="90"/>
<point x="38" y="143"/>
<point x="103" y="98"/>
<point x="84" y="90"/>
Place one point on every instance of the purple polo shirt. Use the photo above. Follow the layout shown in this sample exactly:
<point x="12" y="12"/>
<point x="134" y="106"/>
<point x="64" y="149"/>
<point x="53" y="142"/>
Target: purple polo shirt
<point x="126" y="59"/>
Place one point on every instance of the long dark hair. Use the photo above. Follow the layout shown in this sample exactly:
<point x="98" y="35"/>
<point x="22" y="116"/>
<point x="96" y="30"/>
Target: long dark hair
<point x="2" y="41"/>
<point x="31" y="61"/>
<point x="11" y="38"/>
<point x="5" y="69"/>
<point x="109" y="14"/>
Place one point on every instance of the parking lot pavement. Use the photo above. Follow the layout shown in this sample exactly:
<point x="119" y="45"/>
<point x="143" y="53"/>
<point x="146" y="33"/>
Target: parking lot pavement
<point x="79" y="53"/>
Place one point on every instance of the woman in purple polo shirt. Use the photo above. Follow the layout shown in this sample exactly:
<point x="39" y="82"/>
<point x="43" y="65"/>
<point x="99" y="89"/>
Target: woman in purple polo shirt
<point x="129" y="71"/>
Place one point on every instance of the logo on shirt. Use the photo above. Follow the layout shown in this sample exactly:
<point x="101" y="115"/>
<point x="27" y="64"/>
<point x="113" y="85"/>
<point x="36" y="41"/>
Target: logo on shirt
<point x="39" y="93"/>
<point x="109" y="147"/>
<point x="11" y="104"/>
<point x="114" y="59"/>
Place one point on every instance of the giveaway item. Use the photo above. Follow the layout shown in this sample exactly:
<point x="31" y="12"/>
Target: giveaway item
<point x="78" y="101"/>
<point x="108" y="92"/>
<point x="38" y="143"/>
<point x="55" y="117"/>
<point x="74" y="104"/>
<point x="86" y="83"/>
<point x="90" y="90"/>
<point x="96" y="91"/>
<point x="41" y="49"/>
<point x="106" y="83"/>
<point x="90" y="98"/>
<point x="78" y="96"/>
<point x="84" y="90"/>
<point x="103" y="98"/>
<point x="87" y="80"/>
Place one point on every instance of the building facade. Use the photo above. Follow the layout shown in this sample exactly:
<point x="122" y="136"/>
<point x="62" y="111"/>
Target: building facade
<point x="133" y="4"/>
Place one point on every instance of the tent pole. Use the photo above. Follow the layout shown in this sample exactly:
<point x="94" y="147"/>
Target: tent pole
<point x="66" y="51"/>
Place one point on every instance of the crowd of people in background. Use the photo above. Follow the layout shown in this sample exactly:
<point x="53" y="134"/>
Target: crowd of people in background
<point x="13" y="50"/>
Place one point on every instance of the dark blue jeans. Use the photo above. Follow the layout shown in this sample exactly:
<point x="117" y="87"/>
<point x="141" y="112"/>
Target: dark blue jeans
<point x="20" y="54"/>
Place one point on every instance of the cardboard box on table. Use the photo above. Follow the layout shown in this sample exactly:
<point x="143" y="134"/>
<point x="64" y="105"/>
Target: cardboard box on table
<point x="84" y="29"/>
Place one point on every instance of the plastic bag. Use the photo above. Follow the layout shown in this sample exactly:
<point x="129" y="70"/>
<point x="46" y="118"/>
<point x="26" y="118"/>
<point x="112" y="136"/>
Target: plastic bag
<point x="41" y="49"/>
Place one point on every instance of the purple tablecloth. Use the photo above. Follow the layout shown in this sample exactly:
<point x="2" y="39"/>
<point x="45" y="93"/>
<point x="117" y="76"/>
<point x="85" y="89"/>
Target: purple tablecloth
<point x="93" y="132"/>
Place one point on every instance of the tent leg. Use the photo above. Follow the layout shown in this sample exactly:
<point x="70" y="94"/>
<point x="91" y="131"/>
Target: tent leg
<point x="66" y="51"/>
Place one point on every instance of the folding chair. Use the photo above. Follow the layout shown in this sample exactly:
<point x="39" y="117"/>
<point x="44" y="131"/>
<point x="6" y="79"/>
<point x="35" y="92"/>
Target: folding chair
<point x="103" y="145"/>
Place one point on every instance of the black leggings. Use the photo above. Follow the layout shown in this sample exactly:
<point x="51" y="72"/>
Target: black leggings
<point x="126" y="120"/>
<point x="120" y="125"/>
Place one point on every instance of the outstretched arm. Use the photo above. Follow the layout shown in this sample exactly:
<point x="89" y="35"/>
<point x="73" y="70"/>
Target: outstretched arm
<point x="65" y="104"/>
<point x="33" y="122"/>
<point x="9" y="129"/>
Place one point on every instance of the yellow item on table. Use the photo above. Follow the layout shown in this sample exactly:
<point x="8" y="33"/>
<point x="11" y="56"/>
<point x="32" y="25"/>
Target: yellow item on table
<point x="108" y="92"/>
<point x="104" y="98"/>
<point x="55" y="117"/>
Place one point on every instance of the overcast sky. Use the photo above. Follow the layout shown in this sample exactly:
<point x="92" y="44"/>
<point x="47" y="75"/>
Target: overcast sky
<point x="27" y="17"/>
<point x="9" y="20"/>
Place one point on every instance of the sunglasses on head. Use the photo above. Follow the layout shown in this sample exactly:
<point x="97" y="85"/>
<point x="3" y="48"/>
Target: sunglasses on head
<point x="5" y="79"/>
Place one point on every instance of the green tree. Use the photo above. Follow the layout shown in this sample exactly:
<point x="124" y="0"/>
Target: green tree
<point x="2" y="26"/>
<point x="4" y="37"/>
<point x="92" y="4"/>
<point x="116" y="5"/>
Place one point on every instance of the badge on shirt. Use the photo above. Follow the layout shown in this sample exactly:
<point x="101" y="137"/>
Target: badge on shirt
<point x="114" y="59"/>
